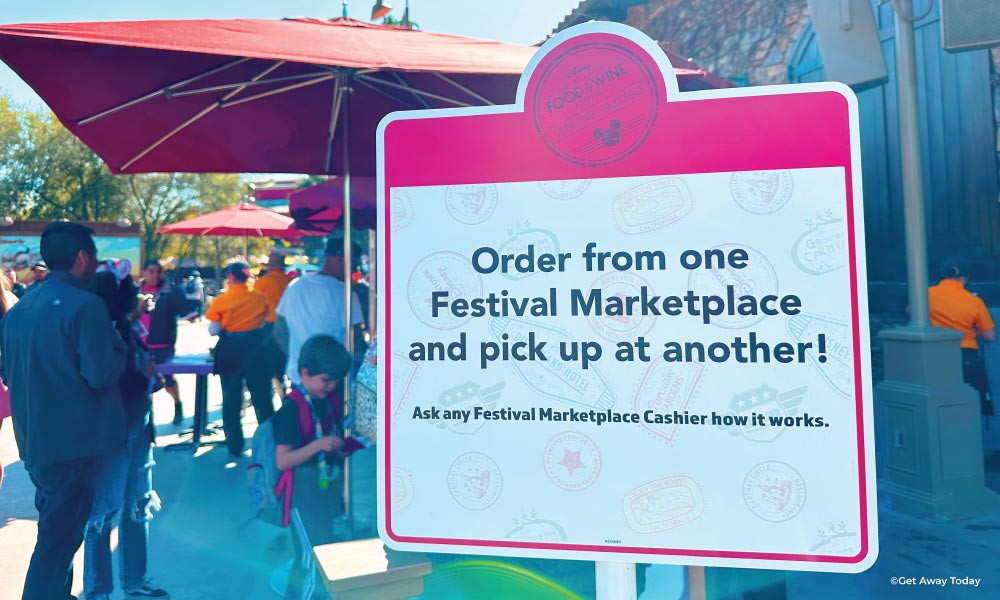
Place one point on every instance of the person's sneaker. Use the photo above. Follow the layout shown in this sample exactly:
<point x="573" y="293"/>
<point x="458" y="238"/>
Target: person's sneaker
<point x="148" y="590"/>
<point x="178" y="413"/>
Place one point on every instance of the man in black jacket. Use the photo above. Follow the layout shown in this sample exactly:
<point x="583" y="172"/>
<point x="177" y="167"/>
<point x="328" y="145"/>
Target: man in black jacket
<point x="62" y="359"/>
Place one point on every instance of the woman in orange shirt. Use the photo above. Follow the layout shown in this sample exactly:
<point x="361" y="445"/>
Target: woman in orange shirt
<point x="237" y="316"/>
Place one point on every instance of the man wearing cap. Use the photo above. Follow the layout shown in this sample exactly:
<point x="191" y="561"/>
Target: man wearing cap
<point x="238" y="316"/>
<point x="39" y="271"/>
<point x="954" y="307"/>
<point x="62" y="359"/>
<point x="314" y="305"/>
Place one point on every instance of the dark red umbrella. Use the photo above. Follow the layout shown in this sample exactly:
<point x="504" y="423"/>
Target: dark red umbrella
<point x="253" y="95"/>
<point x="319" y="208"/>
<point x="241" y="220"/>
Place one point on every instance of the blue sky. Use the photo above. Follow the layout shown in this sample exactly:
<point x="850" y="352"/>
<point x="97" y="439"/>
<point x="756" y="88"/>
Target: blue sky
<point x="516" y="21"/>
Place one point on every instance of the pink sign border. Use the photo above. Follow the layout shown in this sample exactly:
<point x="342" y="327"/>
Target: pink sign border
<point x="728" y="124"/>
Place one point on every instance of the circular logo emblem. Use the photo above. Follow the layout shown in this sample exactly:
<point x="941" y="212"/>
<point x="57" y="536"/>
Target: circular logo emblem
<point x="774" y="491"/>
<point x="757" y="279"/>
<point x="617" y="325"/>
<point x="572" y="461"/>
<point x="471" y="204"/>
<point x="565" y="189"/>
<point x="442" y="272"/>
<point x="595" y="104"/>
<point x="475" y="481"/>
<point x="761" y="192"/>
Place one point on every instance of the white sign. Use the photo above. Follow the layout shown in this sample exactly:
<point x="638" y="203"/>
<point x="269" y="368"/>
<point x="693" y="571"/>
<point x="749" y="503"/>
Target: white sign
<point x="663" y="361"/>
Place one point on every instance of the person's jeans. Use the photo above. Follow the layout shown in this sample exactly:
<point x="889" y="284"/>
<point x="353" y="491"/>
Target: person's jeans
<point x="64" y="495"/>
<point x="125" y="488"/>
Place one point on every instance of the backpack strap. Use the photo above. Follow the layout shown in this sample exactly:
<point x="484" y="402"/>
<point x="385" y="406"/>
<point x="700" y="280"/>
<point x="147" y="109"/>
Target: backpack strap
<point x="307" y="425"/>
<point x="307" y="431"/>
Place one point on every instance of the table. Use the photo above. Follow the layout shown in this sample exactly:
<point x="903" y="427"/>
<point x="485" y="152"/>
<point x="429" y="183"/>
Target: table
<point x="359" y="570"/>
<point x="200" y="365"/>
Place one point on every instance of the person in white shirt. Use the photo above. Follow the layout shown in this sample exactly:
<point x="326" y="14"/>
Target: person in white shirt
<point x="314" y="305"/>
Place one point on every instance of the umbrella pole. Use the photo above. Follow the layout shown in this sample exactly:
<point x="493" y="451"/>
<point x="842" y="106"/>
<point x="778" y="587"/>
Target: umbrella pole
<point x="348" y="292"/>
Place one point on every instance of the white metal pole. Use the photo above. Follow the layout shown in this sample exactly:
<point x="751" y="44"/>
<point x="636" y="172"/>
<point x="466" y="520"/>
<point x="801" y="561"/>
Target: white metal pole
<point x="913" y="183"/>
<point x="615" y="581"/>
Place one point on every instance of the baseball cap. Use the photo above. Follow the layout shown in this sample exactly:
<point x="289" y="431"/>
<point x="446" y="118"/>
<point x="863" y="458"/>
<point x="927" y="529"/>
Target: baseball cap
<point x="239" y="270"/>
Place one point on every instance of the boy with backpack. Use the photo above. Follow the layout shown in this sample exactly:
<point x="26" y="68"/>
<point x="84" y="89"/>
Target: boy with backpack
<point x="308" y="452"/>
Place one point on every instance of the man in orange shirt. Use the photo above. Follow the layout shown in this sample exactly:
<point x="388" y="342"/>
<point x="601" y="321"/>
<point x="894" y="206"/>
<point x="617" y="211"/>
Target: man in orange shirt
<point x="954" y="307"/>
<point x="238" y="316"/>
<point x="273" y="285"/>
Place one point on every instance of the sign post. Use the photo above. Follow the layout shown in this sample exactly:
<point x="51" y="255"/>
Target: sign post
<point x="624" y="323"/>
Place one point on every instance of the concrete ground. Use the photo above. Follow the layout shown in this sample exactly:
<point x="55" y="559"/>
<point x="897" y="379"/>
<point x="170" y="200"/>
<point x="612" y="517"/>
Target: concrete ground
<point x="198" y="549"/>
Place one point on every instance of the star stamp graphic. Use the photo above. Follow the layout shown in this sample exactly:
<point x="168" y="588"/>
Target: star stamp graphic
<point x="774" y="491"/>
<point x="763" y="400"/>
<point x="475" y="481"/>
<point x="652" y="205"/>
<point x="572" y="461"/>
<point x="663" y="504"/>
<point x="471" y="204"/>
<point x="761" y="192"/>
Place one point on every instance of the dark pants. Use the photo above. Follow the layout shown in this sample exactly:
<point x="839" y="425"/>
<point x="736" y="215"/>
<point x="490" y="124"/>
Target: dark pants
<point x="64" y="497"/>
<point x="974" y="374"/>
<point x="235" y="360"/>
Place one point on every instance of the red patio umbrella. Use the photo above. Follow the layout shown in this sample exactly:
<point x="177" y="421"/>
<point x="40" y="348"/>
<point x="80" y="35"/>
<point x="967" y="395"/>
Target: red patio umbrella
<point x="246" y="95"/>
<point x="242" y="219"/>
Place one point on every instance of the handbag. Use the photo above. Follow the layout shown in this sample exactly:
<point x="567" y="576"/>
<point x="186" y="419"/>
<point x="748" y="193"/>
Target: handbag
<point x="366" y="397"/>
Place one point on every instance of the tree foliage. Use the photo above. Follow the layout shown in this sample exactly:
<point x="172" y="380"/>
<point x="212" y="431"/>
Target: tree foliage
<point x="47" y="173"/>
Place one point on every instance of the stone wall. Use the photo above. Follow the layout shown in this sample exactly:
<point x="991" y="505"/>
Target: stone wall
<point x="750" y="41"/>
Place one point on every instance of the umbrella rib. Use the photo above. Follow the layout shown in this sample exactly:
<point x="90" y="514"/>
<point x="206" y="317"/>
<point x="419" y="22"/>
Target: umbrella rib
<point x="415" y="91"/>
<point x="338" y="96"/>
<point x="389" y="96"/>
<point x="159" y="92"/>
<point x="287" y="88"/>
<point x="464" y="88"/>
<point x="229" y="86"/>
<point x="403" y="81"/>
<point x="198" y="116"/>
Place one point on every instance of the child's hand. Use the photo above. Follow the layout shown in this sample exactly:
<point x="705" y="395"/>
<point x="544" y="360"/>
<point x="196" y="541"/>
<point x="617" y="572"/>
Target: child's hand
<point x="328" y="443"/>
